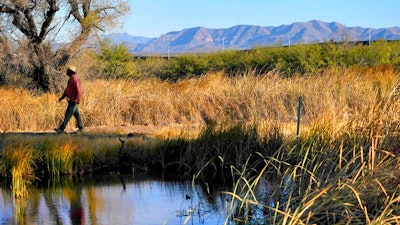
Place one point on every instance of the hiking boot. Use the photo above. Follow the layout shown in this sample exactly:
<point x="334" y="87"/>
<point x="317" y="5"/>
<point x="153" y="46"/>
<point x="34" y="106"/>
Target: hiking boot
<point x="59" y="131"/>
<point x="80" y="131"/>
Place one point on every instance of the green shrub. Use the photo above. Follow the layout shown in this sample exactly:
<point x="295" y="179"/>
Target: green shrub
<point x="115" y="61"/>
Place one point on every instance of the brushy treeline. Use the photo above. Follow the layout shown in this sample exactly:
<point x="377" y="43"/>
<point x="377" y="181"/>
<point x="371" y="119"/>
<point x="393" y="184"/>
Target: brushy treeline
<point x="110" y="61"/>
<point x="114" y="61"/>
<point x="290" y="61"/>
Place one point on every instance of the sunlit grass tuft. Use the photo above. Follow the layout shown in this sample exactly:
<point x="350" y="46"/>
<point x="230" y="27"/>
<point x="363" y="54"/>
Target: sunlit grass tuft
<point x="60" y="157"/>
<point x="19" y="162"/>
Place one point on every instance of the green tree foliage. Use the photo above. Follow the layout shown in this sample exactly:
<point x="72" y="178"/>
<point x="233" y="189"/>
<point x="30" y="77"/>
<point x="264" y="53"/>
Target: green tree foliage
<point x="115" y="61"/>
<point x="188" y="65"/>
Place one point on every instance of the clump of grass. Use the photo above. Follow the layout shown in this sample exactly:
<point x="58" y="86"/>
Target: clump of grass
<point x="231" y="144"/>
<point x="20" y="159"/>
<point x="59" y="157"/>
<point x="19" y="162"/>
<point x="106" y="154"/>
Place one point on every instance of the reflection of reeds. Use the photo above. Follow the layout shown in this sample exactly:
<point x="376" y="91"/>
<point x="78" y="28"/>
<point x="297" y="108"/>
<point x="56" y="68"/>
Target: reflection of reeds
<point x="19" y="205"/>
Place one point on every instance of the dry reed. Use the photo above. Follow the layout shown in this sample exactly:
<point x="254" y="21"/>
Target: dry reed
<point x="334" y="97"/>
<point x="345" y="170"/>
<point x="60" y="157"/>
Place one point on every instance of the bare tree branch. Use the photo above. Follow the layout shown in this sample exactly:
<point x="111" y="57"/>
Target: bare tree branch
<point x="75" y="10"/>
<point x="37" y="19"/>
<point x="50" y="14"/>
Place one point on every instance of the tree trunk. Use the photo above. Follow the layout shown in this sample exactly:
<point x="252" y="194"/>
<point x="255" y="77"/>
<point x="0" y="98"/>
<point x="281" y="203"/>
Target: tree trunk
<point x="41" y="76"/>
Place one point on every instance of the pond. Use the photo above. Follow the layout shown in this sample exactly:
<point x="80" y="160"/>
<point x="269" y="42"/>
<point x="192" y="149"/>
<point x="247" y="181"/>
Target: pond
<point x="114" y="199"/>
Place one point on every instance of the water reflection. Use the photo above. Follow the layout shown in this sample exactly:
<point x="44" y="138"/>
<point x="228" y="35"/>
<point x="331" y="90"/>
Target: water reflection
<point x="113" y="200"/>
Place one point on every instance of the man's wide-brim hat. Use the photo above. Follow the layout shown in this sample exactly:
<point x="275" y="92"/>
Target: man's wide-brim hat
<point x="72" y="68"/>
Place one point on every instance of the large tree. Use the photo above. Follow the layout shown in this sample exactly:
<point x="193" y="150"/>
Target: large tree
<point x="36" y="25"/>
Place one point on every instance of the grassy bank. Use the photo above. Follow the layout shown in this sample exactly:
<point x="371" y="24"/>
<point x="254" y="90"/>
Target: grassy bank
<point x="336" y="96"/>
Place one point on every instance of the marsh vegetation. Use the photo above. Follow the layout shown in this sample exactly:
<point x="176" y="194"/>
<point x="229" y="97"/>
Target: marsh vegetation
<point x="239" y="127"/>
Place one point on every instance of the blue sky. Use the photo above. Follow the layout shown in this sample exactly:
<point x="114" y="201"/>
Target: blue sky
<point x="152" y="18"/>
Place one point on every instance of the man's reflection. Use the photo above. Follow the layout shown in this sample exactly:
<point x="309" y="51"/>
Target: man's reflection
<point x="77" y="211"/>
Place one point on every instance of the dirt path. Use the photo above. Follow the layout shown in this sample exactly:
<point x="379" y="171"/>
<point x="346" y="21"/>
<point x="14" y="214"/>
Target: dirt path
<point x="131" y="130"/>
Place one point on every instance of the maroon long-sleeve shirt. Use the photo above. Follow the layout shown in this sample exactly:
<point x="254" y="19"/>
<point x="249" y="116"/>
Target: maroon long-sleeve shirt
<point x="74" y="90"/>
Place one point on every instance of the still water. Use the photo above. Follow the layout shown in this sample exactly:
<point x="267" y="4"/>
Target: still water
<point x="119" y="200"/>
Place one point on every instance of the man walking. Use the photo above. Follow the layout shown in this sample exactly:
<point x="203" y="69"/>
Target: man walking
<point x="73" y="92"/>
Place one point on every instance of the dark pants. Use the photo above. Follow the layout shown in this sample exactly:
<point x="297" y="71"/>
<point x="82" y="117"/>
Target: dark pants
<point x="72" y="110"/>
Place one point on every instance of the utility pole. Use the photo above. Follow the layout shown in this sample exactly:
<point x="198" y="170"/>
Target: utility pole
<point x="369" y="36"/>
<point x="298" y="121"/>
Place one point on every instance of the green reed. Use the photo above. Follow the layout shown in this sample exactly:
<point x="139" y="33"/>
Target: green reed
<point x="60" y="157"/>
<point x="352" y="179"/>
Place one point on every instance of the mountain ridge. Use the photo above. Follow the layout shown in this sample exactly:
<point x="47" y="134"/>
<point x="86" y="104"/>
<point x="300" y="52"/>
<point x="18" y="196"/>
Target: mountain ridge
<point x="240" y="37"/>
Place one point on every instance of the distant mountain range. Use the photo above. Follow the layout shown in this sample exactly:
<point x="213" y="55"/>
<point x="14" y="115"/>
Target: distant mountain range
<point x="200" y="39"/>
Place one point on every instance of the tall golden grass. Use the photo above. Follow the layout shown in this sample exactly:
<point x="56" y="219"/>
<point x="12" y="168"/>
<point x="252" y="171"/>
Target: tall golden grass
<point x="60" y="157"/>
<point x="334" y="97"/>
<point x="343" y="169"/>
